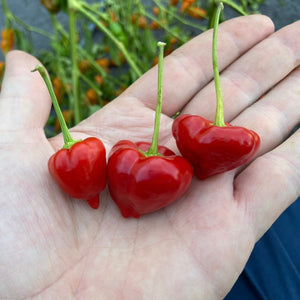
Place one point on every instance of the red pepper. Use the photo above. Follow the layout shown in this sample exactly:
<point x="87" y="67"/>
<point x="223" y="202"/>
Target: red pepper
<point x="143" y="178"/>
<point x="79" y="168"/>
<point x="141" y="184"/>
<point x="214" y="147"/>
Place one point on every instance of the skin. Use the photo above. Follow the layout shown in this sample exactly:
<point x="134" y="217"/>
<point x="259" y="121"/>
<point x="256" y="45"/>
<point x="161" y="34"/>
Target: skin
<point x="51" y="245"/>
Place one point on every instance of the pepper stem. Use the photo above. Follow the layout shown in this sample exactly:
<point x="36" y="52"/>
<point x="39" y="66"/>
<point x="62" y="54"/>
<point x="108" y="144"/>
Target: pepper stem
<point x="73" y="52"/>
<point x="65" y="131"/>
<point x="153" y="150"/>
<point x="81" y="7"/>
<point x="219" y="116"/>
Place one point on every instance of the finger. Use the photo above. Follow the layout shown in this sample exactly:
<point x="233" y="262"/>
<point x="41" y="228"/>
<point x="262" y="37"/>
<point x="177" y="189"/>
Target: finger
<point x="270" y="184"/>
<point x="24" y="99"/>
<point x="189" y="68"/>
<point x="276" y="114"/>
<point x="251" y="75"/>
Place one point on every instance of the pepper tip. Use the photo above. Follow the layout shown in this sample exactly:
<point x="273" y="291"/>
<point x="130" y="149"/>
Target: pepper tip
<point x="93" y="202"/>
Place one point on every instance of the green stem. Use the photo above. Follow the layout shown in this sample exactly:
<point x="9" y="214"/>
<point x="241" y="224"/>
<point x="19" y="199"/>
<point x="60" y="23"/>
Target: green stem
<point x="9" y="18"/>
<point x="244" y="4"/>
<point x="65" y="131"/>
<point x="91" y="84"/>
<point x="60" y="30"/>
<point x="82" y="53"/>
<point x="219" y="116"/>
<point x="177" y="17"/>
<point x="81" y="6"/>
<point x="33" y="29"/>
<point x="165" y="27"/>
<point x="7" y="14"/>
<point x="75" y="71"/>
<point x="236" y="7"/>
<point x="153" y="150"/>
<point x="61" y="71"/>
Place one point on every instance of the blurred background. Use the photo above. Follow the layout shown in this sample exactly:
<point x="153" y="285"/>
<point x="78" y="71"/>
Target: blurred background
<point x="110" y="43"/>
<point x="282" y="12"/>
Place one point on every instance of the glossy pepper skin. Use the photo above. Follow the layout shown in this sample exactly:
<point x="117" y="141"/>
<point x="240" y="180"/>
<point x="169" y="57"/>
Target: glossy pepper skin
<point x="213" y="149"/>
<point x="81" y="170"/>
<point x="140" y="184"/>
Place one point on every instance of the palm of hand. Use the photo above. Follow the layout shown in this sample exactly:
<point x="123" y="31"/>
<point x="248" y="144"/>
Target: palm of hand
<point x="192" y="249"/>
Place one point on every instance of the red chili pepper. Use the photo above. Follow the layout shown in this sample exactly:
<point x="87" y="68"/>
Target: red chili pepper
<point x="79" y="168"/>
<point x="143" y="178"/>
<point x="214" y="147"/>
<point x="141" y="184"/>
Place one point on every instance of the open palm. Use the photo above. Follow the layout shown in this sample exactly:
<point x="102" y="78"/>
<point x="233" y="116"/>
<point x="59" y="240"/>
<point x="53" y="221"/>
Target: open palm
<point x="53" y="246"/>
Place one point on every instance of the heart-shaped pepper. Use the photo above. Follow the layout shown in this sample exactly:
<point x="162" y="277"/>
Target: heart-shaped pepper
<point x="79" y="168"/>
<point x="80" y="171"/>
<point x="142" y="184"/>
<point x="144" y="177"/>
<point x="213" y="149"/>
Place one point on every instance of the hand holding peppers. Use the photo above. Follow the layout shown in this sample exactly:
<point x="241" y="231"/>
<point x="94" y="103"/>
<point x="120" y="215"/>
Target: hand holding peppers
<point x="214" y="147"/>
<point x="203" y="241"/>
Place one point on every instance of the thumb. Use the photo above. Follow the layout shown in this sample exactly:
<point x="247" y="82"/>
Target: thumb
<point x="24" y="100"/>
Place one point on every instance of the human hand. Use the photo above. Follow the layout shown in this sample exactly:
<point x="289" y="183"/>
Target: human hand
<point x="51" y="245"/>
